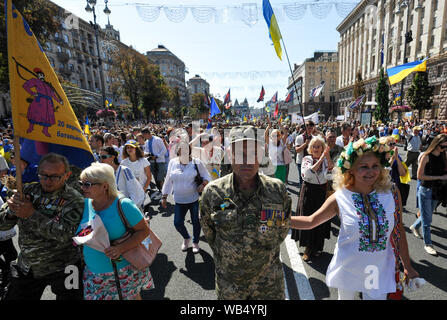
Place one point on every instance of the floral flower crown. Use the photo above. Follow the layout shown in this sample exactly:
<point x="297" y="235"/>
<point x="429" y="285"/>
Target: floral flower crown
<point x="356" y="149"/>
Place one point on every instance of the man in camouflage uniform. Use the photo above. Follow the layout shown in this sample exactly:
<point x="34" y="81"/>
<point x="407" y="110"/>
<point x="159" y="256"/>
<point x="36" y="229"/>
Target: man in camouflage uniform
<point x="48" y="215"/>
<point x="245" y="218"/>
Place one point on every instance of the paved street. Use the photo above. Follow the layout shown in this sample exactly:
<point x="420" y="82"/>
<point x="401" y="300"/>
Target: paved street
<point x="184" y="276"/>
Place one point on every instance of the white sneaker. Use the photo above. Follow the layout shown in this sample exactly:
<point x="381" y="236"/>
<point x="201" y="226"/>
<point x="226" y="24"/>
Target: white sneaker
<point x="195" y="248"/>
<point x="416" y="232"/>
<point x="429" y="249"/>
<point x="185" y="244"/>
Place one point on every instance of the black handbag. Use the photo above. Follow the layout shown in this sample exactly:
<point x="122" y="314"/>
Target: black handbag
<point x="198" y="179"/>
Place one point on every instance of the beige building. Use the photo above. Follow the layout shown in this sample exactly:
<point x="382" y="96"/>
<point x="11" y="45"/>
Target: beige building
<point x="376" y="26"/>
<point x="73" y="53"/>
<point x="323" y="66"/>
<point x="172" y="69"/>
<point x="197" y="85"/>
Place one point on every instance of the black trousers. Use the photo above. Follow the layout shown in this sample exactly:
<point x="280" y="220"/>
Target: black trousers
<point x="27" y="287"/>
<point x="9" y="253"/>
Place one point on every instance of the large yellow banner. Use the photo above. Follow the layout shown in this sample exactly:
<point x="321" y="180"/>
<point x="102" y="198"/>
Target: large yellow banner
<point x="40" y="108"/>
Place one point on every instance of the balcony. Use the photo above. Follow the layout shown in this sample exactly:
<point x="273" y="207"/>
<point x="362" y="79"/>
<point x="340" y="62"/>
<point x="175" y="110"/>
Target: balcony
<point x="65" y="71"/>
<point x="63" y="56"/>
<point x="80" y="59"/>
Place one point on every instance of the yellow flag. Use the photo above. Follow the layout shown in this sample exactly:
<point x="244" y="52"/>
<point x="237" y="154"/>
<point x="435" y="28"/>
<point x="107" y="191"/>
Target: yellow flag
<point x="40" y="108"/>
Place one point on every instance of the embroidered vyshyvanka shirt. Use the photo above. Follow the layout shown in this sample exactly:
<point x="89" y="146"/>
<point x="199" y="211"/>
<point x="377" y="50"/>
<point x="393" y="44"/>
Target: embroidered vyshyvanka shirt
<point x="363" y="259"/>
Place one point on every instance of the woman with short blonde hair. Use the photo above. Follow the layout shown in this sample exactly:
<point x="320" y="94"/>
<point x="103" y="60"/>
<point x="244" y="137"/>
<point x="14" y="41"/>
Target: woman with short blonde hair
<point x="101" y="199"/>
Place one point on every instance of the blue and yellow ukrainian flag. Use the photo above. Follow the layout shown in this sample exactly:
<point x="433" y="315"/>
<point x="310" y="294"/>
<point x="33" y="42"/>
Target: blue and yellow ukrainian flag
<point x="41" y="111"/>
<point x="396" y="98"/>
<point x="272" y="24"/>
<point x="397" y="74"/>
<point x="87" y="127"/>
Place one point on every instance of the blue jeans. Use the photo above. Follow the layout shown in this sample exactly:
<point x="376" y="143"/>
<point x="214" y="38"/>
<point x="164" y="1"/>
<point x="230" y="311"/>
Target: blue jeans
<point x="180" y="211"/>
<point x="426" y="206"/>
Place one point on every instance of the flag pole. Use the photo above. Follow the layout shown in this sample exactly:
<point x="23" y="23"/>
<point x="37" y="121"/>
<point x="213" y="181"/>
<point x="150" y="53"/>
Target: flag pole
<point x="17" y="161"/>
<point x="293" y="80"/>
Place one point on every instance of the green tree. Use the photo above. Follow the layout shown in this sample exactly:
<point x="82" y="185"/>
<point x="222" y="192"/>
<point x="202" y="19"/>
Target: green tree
<point x="43" y="18"/>
<point x="154" y="90"/>
<point x="129" y="67"/>
<point x="382" y="98"/>
<point x="420" y="93"/>
<point x="198" y="101"/>
<point x="177" y="111"/>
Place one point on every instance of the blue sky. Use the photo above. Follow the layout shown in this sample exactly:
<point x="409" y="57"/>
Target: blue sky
<point x="216" y="51"/>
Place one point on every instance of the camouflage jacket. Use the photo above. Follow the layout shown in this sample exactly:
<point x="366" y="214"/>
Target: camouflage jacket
<point x="245" y="235"/>
<point x="45" y="239"/>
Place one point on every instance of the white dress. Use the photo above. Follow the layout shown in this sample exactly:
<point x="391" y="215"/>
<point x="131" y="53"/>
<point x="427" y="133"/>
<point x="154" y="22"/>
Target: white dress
<point x="360" y="264"/>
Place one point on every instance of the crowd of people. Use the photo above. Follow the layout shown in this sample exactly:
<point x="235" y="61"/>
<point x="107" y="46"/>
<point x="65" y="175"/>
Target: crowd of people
<point x="233" y="180"/>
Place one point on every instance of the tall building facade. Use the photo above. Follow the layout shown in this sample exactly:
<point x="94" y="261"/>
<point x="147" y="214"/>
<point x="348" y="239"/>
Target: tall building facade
<point x="172" y="69"/>
<point x="197" y="85"/>
<point x="372" y="36"/>
<point x="323" y="66"/>
<point x="72" y="51"/>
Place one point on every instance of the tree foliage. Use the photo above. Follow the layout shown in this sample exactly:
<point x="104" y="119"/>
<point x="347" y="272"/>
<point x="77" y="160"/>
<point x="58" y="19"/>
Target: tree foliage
<point x="420" y="93"/>
<point x="140" y="81"/>
<point x="382" y="98"/>
<point x="43" y="19"/>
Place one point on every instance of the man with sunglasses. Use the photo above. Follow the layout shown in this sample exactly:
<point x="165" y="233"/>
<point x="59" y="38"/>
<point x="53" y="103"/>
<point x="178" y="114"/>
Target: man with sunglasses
<point x="48" y="214"/>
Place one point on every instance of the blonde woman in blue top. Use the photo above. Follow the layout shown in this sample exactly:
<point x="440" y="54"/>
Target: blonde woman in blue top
<point x="99" y="188"/>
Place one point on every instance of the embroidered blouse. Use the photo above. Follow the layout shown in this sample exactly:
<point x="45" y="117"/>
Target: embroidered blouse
<point x="310" y="176"/>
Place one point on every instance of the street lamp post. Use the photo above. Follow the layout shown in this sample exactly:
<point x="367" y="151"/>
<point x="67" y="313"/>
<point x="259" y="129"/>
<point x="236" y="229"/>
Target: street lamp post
<point x="91" y="8"/>
<point x="408" y="38"/>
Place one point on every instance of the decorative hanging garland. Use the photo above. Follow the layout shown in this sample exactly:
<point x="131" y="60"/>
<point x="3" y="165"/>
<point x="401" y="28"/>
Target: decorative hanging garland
<point x="249" y="13"/>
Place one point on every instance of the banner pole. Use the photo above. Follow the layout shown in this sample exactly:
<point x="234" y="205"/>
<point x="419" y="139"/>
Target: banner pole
<point x="293" y="81"/>
<point x="17" y="161"/>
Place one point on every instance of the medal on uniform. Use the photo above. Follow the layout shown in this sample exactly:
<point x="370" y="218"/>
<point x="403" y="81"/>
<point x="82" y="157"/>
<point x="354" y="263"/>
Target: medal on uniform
<point x="263" y="228"/>
<point x="263" y="216"/>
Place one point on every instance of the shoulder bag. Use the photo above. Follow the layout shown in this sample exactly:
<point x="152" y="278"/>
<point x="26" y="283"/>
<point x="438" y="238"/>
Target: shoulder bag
<point x="198" y="179"/>
<point x="143" y="255"/>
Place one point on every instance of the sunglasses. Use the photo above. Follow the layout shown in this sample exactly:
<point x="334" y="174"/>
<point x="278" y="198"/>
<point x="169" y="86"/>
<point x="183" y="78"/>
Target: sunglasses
<point x="392" y="144"/>
<point x="45" y="177"/>
<point x="105" y="156"/>
<point x="87" y="184"/>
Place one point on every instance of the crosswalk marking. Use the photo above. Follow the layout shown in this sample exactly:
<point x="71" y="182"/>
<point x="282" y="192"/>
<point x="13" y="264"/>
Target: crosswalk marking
<point x="299" y="273"/>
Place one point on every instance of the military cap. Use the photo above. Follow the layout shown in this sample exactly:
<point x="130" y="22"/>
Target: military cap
<point x="244" y="133"/>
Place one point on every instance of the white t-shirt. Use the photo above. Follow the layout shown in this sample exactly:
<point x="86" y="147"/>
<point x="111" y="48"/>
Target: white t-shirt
<point x="137" y="168"/>
<point x="276" y="153"/>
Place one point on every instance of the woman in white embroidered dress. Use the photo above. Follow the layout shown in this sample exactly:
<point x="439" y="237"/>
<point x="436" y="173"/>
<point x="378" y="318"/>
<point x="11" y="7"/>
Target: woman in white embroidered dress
<point x="314" y="173"/>
<point x="364" y="259"/>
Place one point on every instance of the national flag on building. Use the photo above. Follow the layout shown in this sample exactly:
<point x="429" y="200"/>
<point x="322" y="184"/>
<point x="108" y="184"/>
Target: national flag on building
<point x="274" y="99"/>
<point x="272" y="24"/>
<point x="315" y="92"/>
<point x="227" y="100"/>
<point x="289" y="97"/>
<point x="397" y="74"/>
<point x="40" y="109"/>
<point x="396" y="98"/>
<point x="261" y="95"/>
<point x="357" y="102"/>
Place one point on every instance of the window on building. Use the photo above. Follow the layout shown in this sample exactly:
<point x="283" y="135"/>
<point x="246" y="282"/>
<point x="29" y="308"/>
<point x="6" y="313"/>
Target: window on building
<point x="65" y="38"/>
<point x="435" y="5"/>
<point x="432" y="41"/>
<point x="59" y="49"/>
<point x="71" y="66"/>
<point x="439" y="71"/>
<point x="373" y="63"/>
<point x="51" y="61"/>
<point x="435" y="22"/>
<point x="419" y="49"/>
<point x="437" y="90"/>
